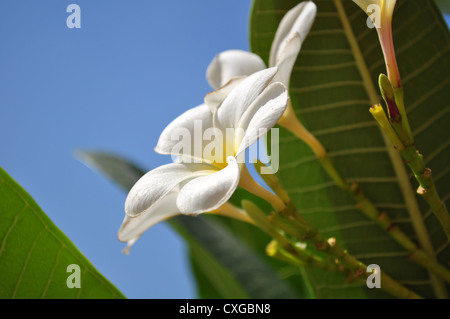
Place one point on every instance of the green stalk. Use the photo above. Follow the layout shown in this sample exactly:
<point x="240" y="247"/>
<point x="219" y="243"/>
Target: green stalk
<point x="394" y="99"/>
<point x="382" y="220"/>
<point x="357" y="268"/>
<point x="293" y="255"/>
<point x="427" y="188"/>
<point x="364" y="204"/>
<point x="284" y="249"/>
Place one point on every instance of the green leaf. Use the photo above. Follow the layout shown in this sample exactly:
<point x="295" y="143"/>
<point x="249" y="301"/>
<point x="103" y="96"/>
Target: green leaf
<point x="224" y="266"/>
<point x="444" y="5"/>
<point x="331" y="99"/>
<point x="257" y="241"/>
<point x="209" y="276"/>
<point x="212" y="245"/>
<point x="35" y="254"/>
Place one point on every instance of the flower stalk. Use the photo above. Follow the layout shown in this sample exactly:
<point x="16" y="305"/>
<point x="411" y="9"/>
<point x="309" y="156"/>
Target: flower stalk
<point x="283" y="249"/>
<point x="296" y="256"/>
<point x="272" y="181"/>
<point x="383" y="24"/>
<point x="363" y="203"/>
<point x="394" y="100"/>
<point x="427" y="188"/>
<point x="379" y="115"/>
<point x="231" y="211"/>
<point x="399" y="133"/>
<point x="249" y="184"/>
<point x="261" y="100"/>
<point x="398" y="129"/>
<point x="290" y="122"/>
<point x="356" y="268"/>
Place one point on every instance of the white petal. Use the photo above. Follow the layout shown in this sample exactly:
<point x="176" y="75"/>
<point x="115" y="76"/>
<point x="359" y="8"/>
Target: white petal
<point x="298" y="19"/>
<point x="133" y="227"/>
<point x="209" y="192"/>
<point x="263" y="114"/>
<point x="185" y="130"/>
<point x="237" y="102"/>
<point x="215" y="98"/>
<point x="286" y="59"/>
<point x="232" y="63"/>
<point x="157" y="183"/>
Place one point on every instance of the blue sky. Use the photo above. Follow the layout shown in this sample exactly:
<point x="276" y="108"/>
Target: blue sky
<point x="112" y="85"/>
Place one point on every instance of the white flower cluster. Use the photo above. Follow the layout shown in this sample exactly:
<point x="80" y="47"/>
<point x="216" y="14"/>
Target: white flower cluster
<point x="247" y="98"/>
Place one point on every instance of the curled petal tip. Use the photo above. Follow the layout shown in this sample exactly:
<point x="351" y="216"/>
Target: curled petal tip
<point x="298" y="19"/>
<point x="231" y="63"/>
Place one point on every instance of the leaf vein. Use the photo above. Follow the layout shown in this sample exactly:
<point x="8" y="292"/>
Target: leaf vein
<point x="11" y="227"/>
<point x="425" y="66"/>
<point x="344" y="128"/>
<point x="33" y="210"/>
<point x="27" y="259"/>
<point x="428" y="94"/>
<point x="331" y="106"/>
<point x="324" y="67"/>
<point x="47" y="285"/>
<point x="320" y="87"/>
<point x="436" y="153"/>
<point x="431" y="121"/>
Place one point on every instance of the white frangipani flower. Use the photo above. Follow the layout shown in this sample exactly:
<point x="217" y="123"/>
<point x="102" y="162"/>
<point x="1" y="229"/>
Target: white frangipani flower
<point x="133" y="227"/>
<point x="204" y="182"/>
<point x="386" y="7"/>
<point x="215" y="98"/>
<point x="229" y="64"/>
<point x="253" y="104"/>
<point x="381" y="11"/>
<point x="292" y="31"/>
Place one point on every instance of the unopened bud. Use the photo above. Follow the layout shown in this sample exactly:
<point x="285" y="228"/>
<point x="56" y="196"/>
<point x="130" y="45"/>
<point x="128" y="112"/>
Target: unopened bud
<point x="389" y="97"/>
<point x="380" y="116"/>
